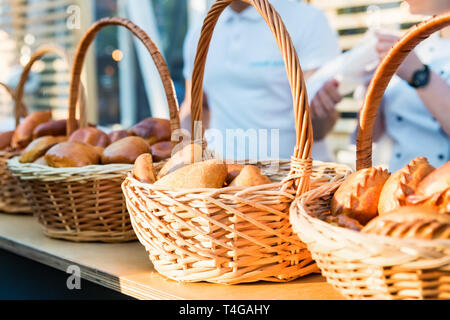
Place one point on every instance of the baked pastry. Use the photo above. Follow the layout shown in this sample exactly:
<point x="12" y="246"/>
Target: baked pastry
<point x="205" y="174"/>
<point x="341" y="220"/>
<point x="143" y="169"/>
<point x="161" y="150"/>
<point x="5" y="139"/>
<point x="249" y="176"/>
<point x="411" y="222"/>
<point x="51" y="128"/>
<point x="119" y="134"/>
<point x="24" y="132"/>
<point x="39" y="147"/>
<point x="153" y="130"/>
<point x="125" y="150"/>
<point x="434" y="190"/>
<point x="233" y="171"/>
<point x="358" y="195"/>
<point x="93" y="136"/>
<point x="403" y="183"/>
<point x="41" y="161"/>
<point x="188" y="154"/>
<point x="72" y="154"/>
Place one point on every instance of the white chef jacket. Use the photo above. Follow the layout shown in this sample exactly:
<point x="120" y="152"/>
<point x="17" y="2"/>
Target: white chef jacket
<point x="245" y="76"/>
<point x="411" y="126"/>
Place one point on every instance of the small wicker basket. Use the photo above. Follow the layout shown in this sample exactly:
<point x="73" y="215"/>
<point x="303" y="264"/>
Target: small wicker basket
<point x="366" y="266"/>
<point x="12" y="198"/>
<point x="233" y="235"/>
<point x="87" y="204"/>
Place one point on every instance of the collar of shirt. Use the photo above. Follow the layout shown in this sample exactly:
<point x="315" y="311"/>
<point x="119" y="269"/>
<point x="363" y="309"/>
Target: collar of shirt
<point x="249" y="14"/>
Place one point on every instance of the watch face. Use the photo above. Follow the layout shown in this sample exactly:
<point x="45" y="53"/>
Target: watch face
<point x="421" y="78"/>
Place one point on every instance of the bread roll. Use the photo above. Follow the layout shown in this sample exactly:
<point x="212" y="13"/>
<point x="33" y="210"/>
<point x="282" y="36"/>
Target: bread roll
<point x="93" y="136"/>
<point x="24" y="131"/>
<point x="344" y="221"/>
<point x="434" y="190"/>
<point x="358" y="195"/>
<point x="51" y="128"/>
<point x="72" y="154"/>
<point x="143" y="169"/>
<point x="125" y="150"/>
<point x="186" y="155"/>
<point x="41" y="161"/>
<point x="411" y="222"/>
<point x="205" y="174"/>
<point x="5" y="139"/>
<point x="161" y="151"/>
<point x="233" y="171"/>
<point x="403" y="183"/>
<point x="39" y="147"/>
<point x="250" y="176"/>
<point x="119" y="134"/>
<point x="153" y="130"/>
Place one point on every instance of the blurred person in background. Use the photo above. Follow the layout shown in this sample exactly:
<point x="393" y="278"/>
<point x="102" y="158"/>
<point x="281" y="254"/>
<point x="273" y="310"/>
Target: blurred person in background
<point x="245" y="83"/>
<point x="415" y="111"/>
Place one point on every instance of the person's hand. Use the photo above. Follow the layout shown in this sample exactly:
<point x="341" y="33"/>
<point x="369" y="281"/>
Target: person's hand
<point x="410" y="65"/>
<point x="324" y="102"/>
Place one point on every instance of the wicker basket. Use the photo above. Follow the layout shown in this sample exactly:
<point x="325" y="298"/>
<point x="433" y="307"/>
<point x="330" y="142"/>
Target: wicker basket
<point x="87" y="204"/>
<point x="233" y="235"/>
<point x="366" y="266"/>
<point x="12" y="199"/>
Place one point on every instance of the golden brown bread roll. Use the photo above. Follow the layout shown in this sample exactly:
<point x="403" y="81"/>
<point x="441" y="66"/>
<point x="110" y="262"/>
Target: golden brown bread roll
<point x="24" y="131"/>
<point x="205" y="174"/>
<point x="119" y="134"/>
<point x="93" y="136"/>
<point x="188" y="154"/>
<point x="51" y="128"/>
<point x="143" y="169"/>
<point x="249" y="176"/>
<point x="41" y="161"/>
<point x="153" y="130"/>
<point x="358" y="195"/>
<point x="411" y="222"/>
<point x="434" y="190"/>
<point x="403" y="183"/>
<point x="125" y="150"/>
<point x="161" y="150"/>
<point x="5" y="139"/>
<point x="37" y="148"/>
<point x="341" y="220"/>
<point x="72" y="154"/>
<point x="233" y="171"/>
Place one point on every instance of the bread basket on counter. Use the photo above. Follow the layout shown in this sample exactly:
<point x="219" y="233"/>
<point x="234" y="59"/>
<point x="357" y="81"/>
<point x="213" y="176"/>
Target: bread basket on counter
<point x="86" y="204"/>
<point x="371" y="266"/>
<point x="233" y="235"/>
<point x="12" y="198"/>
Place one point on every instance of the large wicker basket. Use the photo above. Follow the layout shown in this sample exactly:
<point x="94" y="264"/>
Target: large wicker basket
<point x="366" y="266"/>
<point x="233" y="235"/>
<point x="12" y="199"/>
<point x="87" y="204"/>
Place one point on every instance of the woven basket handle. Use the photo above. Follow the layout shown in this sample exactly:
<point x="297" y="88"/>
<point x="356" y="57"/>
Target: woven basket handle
<point x="22" y="109"/>
<point x="304" y="137"/>
<point x="37" y="55"/>
<point x="385" y="71"/>
<point x="161" y="65"/>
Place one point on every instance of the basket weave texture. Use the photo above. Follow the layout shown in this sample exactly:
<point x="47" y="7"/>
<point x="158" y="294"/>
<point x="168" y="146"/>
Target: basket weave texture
<point x="233" y="235"/>
<point x="12" y="198"/>
<point x="367" y="266"/>
<point x="87" y="204"/>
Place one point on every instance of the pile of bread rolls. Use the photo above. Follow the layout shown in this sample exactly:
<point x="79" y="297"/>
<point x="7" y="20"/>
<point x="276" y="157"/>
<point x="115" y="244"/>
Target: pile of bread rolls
<point x="186" y="170"/>
<point x="44" y="141"/>
<point x="413" y="202"/>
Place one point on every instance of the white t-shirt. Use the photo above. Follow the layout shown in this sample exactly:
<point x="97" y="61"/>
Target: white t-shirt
<point x="245" y="76"/>
<point x="411" y="126"/>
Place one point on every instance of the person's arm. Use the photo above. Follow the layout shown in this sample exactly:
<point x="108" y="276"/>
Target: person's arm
<point x="185" y="109"/>
<point x="435" y="95"/>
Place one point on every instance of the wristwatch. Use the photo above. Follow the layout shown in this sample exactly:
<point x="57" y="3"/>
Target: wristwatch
<point x="420" y="78"/>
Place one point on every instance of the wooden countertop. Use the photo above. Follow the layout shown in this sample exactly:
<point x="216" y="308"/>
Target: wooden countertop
<point x="126" y="268"/>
